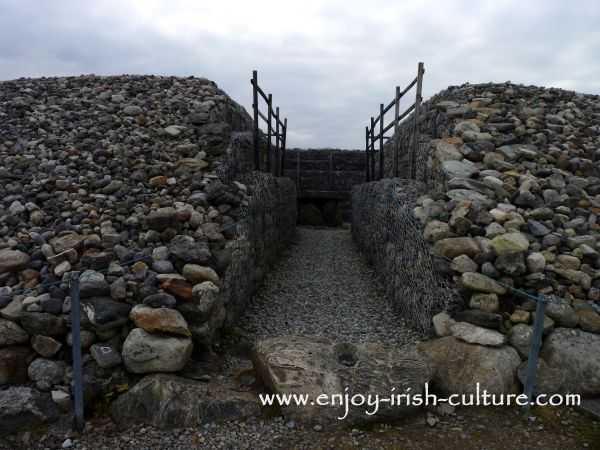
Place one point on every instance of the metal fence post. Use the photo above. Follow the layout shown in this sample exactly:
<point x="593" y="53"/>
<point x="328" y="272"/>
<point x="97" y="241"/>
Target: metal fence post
<point x="396" y="137"/>
<point x="76" y="333"/>
<point x="534" y="348"/>
<point x="254" y="82"/>
<point x="417" y="114"/>
<point x="381" y="106"/>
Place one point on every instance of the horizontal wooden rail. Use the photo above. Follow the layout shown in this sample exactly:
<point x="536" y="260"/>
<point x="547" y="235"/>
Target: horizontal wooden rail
<point x="371" y="137"/>
<point x="277" y="130"/>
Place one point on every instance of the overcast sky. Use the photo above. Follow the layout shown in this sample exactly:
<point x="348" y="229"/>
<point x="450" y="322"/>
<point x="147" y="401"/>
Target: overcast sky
<point x="328" y="64"/>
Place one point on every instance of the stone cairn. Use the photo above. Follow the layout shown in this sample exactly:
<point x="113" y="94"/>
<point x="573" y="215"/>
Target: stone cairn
<point x="117" y="178"/>
<point x="520" y="204"/>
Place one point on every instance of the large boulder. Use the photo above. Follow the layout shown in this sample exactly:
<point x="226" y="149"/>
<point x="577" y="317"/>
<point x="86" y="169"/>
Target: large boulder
<point x="459" y="366"/>
<point x="22" y="408"/>
<point x="168" y="401"/>
<point x="315" y="366"/>
<point x="144" y="352"/>
<point x="576" y="354"/>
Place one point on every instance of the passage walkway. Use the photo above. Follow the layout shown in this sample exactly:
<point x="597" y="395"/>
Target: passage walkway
<point x="322" y="285"/>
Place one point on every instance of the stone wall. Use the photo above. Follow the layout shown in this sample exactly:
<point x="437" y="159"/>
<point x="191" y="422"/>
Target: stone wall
<point x="513" y="179"/>
<point x="399" y="257"/>
<point x="143" y="185"/>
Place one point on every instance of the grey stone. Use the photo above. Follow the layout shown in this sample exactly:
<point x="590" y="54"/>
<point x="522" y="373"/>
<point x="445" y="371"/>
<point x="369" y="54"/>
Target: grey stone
<point x="23" y="408"/>
<point x="458" y="169"/>
<point x="493" y="368"/>
<point x="548" y="380"/>
<point x="105" y="355"/>
<point x="43" y="323"/>
<point x="510" y="243"/>
<point x="167" y="401"/>
<point x="12" y="334"/>
<point x="13" y="364"/>
<point x="12" y="260"/>
<point x="563" y="315"/>
<point x="47" y="370"/>
<point x="316" y="366"/>
<point x="453" y="247"/>
<point x="104" y="312"/>
<point x="575" y="354"/>
<point x="481" y="283"/>
<point x="132" y="110"/>
<point x="162" y="299"/>
<point x="188" y="250"/>
<point x="144" y="352"/>
<point x="45" y="346"/>
<point x="477" y="335"/>
<point x="93" y="284"/>
<point x="519" y="337"/>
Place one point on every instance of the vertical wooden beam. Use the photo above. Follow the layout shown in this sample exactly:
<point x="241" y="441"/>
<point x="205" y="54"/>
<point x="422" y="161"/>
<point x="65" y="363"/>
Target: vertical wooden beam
<point x="254" y="82"/>
<point x="277" y="142"/>
<point x="396" y="137"/>
<point x="418" y="100"/>
<point x="367" y="154"/>
<point x="372" y="140"/>
<point x="270" y="131"/>
<point x="283" y="147"/>
<point x="381" y="106"/>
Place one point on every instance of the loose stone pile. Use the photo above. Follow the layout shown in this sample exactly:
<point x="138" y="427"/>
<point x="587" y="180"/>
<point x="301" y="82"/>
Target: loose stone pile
<point x="124" y="180"/>
<point x="520" y="204"/>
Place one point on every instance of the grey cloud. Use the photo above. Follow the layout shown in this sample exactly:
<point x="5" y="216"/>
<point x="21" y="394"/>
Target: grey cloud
<point x="329" y="73"/>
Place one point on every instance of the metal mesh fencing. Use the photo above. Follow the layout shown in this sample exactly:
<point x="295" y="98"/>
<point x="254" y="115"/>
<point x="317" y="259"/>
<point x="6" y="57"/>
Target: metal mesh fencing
<point x="396" y="250"/>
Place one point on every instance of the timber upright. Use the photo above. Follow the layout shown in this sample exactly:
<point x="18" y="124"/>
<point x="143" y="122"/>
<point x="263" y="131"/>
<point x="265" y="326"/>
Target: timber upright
<point x="279" y="133"/>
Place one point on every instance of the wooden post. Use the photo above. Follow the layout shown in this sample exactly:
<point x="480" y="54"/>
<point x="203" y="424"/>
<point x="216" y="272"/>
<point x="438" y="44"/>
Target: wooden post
<point x="254" y="82"/>
<point x="277" y="141"/>
<point x="372" y="140"/>
<point x="283" y="147"/>
<point x="396" y="137"/>
<point x="270" y="131"/>
<point x="418" y="100"/>
<point x="381" y="141"/>
<point x="367" y="154"/>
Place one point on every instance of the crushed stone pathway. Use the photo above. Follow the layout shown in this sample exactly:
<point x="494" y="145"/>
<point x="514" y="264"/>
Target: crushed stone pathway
<point x="323" y="285"/>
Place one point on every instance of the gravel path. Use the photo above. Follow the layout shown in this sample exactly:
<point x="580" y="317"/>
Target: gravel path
<point x="322" y="285"/>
